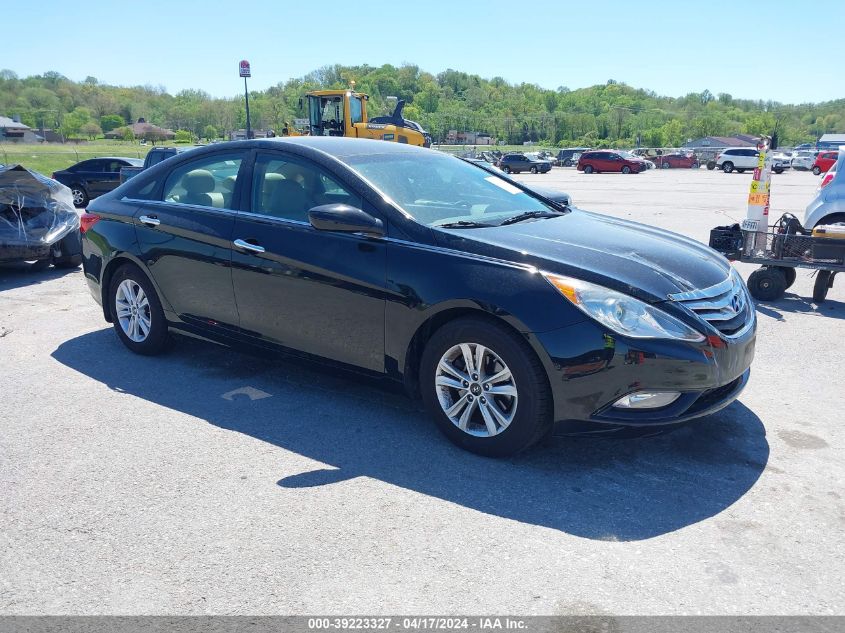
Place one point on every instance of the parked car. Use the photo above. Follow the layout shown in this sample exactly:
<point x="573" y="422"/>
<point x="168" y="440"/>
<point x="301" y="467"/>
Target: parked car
<point x="610" y="161"/>
<point x="828" y="177"/>
<point x="569" y="156"/>
<point x="677" y="160"/>
<point x="517" y="163"/>
<point x="781" y="161"/>
<point x="38" y="222"/>
<point x="738" y="159"/>
<point x="94" y="177"/>
<point x="803" y="160"/>
<point x="154" y="157"/>
<point x="824" y="161"/>
<point x="550" y="193"/>
<point x="411" y="265"/>
<point x="828" y="207"/>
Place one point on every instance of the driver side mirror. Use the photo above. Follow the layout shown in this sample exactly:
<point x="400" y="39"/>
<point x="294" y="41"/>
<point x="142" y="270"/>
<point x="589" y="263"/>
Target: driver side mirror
<point x="344" y="218"/>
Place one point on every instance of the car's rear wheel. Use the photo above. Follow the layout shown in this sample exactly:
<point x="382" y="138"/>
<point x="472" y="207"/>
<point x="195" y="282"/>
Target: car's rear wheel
<point x="778" y="170"/>
<point x="80" y="196"/>
<point x="588" y="169"/>
<point x="817" y="170"/>
<point x="567" y="163"/>
<point x="711" y="165"/>
<point x="136" y="312"/>
<point x="727" y="167"/>
<point x="69" y="251"/>
<point x="485" y="388"/>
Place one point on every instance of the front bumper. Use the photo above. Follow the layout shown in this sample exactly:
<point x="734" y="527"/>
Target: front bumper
<point x="590" y="368"/>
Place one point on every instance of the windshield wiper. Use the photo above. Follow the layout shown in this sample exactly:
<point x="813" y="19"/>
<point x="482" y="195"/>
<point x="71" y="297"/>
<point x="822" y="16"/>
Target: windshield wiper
<point x="462" y="224"/>
<point x="528" y="215"/>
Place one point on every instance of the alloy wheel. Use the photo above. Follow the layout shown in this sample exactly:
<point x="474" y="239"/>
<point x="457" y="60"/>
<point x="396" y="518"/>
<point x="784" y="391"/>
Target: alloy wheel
<point x="133" y="311"/>
<point x="476" y="389"/>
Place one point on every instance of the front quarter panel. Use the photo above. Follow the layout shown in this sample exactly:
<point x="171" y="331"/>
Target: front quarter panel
<point x="424" y="281"/>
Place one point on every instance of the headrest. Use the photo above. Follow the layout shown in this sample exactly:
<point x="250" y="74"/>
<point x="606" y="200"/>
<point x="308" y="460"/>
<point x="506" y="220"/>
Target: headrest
<point x="198" y="181"/>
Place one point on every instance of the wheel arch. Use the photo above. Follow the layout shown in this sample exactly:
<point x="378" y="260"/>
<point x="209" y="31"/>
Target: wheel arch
<point x="111" y="268"/>
<point x="426" y="329"/>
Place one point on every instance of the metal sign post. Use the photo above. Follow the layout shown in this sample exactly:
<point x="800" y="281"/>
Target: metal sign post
<point x="244" y="70"/>
<point x="757" y="217"/>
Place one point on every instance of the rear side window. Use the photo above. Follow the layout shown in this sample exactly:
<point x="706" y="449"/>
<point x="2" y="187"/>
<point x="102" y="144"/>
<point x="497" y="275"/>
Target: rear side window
<point x="207" y="182"/>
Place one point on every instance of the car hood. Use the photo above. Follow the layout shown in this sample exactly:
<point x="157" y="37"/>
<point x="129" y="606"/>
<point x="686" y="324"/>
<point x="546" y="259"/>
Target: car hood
<point x="639" y="260"/>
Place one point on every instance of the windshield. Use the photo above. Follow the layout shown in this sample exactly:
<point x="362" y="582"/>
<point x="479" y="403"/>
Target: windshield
<point x="435" y="188"/>
<point x="626" y="154"/>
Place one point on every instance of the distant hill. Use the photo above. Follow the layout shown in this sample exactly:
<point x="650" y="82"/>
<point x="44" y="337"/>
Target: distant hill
<point x="603" y="115"/>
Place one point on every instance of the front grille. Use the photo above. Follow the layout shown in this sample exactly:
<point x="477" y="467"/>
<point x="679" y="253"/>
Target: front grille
<point x="726" y="306"/>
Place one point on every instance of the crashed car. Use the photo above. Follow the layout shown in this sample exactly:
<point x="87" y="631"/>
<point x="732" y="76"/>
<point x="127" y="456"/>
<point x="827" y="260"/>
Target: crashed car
<point x="38" y="222"/>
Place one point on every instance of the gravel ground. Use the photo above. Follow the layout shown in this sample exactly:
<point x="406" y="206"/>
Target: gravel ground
<point x="136" y="485"/>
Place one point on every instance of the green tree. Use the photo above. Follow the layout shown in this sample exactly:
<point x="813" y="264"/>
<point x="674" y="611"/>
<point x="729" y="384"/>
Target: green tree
<point x="90" y="130"/>
<point x="110" y="122"/>
<point x="210" y="132"/>
<point x="184" y="136"/>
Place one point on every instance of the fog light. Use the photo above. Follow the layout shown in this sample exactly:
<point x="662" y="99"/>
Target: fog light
<point x="647" y="399"/>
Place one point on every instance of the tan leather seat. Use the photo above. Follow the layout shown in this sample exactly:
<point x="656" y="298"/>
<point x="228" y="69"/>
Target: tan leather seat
<point x="288" y="201"/>
<point x="197" y="185"/>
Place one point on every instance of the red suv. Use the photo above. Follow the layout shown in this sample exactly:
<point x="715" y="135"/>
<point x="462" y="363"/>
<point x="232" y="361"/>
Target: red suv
<point x="824" y="161"/>
<point x="610" y="160"/>
<point x="687" y="161"/>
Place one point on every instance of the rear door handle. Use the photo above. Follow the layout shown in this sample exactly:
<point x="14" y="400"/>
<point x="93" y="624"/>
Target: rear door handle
<point x="149" y="220"/>
<point x="248" y="246"/>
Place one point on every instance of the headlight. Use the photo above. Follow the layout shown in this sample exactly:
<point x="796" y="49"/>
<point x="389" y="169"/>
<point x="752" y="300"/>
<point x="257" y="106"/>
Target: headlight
<point x="622" y="313"/>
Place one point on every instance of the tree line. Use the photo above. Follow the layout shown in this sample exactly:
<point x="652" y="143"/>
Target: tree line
<point x="605" y="115"/>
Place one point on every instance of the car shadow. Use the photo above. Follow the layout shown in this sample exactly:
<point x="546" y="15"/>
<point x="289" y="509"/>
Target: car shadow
<point x="607" y="489"/>
<point x="19" y="275"/>
<point x="792" y="303"/>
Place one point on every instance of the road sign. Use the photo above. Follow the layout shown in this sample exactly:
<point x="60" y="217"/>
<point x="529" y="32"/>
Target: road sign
<point x="244" y="68"/>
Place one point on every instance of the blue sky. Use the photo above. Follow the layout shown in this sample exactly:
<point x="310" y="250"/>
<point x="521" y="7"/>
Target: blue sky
<point x="773" y="49"/>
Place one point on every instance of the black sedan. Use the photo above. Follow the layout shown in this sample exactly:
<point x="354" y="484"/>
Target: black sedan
<point x="94" y="177"/>
<point x="504" y="312"/>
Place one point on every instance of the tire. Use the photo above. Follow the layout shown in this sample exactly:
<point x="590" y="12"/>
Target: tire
<point x="789" y="274"/>
<point x="665" y="165"/>
<point x="727" y="167"/>
<point x="740" y="171"/>
<point x="626" y="169"/>
<point x="530" y="406"/>
<point x="711" y="165"/>
<point x="817" y="170"/>
<point x="70" y="251"/>
<point x="533" y="170"/>
<point x="824" y="281"/>
<point x="767" y="284"/>
<point x="567" y="163"/>
<point x="80" y="196"/>
<point x="157" y="338"/>
<point x="778" y="170"/>
<point x="506" y="169"/>
<point x="588" y="169"/>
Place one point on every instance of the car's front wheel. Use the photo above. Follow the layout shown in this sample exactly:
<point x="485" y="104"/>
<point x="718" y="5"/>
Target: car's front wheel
<point x="588" y="169"/>
<point x="626" y="169"/>
<point x="727" y="167"/>
<point x="506" y="169"/>
<point x="136" y="312"/>
<point x="485" y="388"/>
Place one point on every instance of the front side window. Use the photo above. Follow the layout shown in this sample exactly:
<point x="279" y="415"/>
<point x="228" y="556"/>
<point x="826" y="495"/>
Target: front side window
<point x="287" y="188"/>
<point x="435" y="188"/>
<point x="356" y="112"/>
<point x="206" y="182"/>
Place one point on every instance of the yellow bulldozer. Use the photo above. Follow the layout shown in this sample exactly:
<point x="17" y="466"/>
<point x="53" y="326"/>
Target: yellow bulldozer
<point x="344" y="113"/>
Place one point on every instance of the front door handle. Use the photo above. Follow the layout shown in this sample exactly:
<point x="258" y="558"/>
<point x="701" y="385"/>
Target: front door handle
<point x="248" y="246"/>
<point x="149" y="220"/>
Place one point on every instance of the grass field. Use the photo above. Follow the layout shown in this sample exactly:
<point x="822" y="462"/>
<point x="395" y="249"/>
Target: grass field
<point x="46" y="158"/>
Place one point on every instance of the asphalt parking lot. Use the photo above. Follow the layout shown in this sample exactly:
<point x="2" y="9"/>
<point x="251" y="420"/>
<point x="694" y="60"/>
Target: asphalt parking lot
<point x="210" y="482"/>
